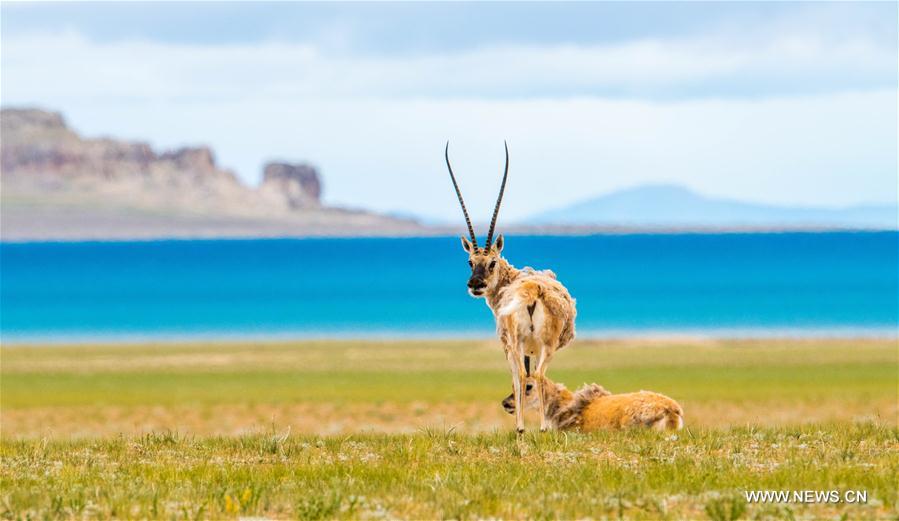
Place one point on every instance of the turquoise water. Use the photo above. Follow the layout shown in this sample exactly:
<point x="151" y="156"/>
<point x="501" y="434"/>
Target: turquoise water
<point x="746" y="284"/>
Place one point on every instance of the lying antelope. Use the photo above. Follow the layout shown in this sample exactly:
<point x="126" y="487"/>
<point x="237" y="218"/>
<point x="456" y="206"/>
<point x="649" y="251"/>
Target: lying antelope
<point x="534" y="312"/>
<point x="591" y="408"/>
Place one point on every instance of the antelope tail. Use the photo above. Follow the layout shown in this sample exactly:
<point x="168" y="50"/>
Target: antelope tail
<point x="672" y="419"/>
<point x="525" y="296"/>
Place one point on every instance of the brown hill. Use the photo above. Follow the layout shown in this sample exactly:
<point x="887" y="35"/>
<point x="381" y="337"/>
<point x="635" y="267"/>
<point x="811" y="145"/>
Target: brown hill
<point x="56" y="184"/>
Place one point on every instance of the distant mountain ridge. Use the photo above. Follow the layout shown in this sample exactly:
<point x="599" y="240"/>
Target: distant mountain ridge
<point x="57" y="184"/>
<point x="675" y="206"/>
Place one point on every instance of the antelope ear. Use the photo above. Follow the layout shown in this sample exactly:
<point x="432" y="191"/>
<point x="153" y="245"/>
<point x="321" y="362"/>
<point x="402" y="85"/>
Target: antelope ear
<point x="466" y="245"/>
<point x="499" y="244"/>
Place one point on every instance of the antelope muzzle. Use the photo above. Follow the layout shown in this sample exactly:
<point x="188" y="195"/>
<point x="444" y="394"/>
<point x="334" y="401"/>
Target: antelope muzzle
<point x="477" y="283"/>
<point x="509" y="401"/>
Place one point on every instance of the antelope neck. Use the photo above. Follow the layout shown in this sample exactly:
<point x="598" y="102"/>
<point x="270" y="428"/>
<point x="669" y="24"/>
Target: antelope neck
<point x="556" y="400"/>
<point x="507" y="273"/>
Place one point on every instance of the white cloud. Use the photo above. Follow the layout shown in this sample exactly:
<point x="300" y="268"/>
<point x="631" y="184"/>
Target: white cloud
<point x="812" y="122"/>
<point x="655" y="68"/>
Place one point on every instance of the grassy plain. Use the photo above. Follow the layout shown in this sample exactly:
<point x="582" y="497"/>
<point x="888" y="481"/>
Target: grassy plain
<point x="414" y="429"/>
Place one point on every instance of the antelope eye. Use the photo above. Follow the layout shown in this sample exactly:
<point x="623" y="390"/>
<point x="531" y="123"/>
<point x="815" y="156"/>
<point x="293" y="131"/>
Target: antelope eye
<point x="470" y="264"/>
<point x="492" y="265"/>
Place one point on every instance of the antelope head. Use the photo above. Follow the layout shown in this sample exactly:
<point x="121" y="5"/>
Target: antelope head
<point x="530" y="398"/>
<point x="483" y="261"/>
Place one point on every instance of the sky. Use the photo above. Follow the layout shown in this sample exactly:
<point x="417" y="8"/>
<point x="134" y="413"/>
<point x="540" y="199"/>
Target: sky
<point x="784" y="103"/>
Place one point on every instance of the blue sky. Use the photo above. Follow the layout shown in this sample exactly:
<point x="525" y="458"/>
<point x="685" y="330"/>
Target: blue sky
<point x="790" y="103"/>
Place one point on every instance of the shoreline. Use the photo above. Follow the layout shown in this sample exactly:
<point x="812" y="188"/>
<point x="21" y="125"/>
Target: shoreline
<point x="442" y="232"/>
<point x="612" y="335"/>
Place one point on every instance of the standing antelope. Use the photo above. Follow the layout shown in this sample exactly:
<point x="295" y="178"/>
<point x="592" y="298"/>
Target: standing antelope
<point x="534" y="312"/>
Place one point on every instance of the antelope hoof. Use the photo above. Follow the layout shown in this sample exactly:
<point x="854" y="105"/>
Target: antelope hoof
<point x="520" y="430"/>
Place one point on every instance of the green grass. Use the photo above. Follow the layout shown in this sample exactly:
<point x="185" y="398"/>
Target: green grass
<point x="243" y="429"/>
<point x="433" y="371"/>
<point x="438" y="474"/>
<point x="29" y="390"/>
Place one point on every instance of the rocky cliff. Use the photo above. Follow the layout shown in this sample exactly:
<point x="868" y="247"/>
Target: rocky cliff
<point x="299" y="185"/>
<point x="38" y="145"/>
<point x="56" y="183"/>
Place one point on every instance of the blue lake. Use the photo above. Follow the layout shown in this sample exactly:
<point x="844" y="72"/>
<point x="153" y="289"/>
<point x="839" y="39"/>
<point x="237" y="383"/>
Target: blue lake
<point x="741" y="284"/>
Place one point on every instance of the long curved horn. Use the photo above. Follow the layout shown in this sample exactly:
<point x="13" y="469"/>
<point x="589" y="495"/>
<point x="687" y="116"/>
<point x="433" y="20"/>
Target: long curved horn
<point x="474" y="239"/>
<point x="499" y="200"/>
